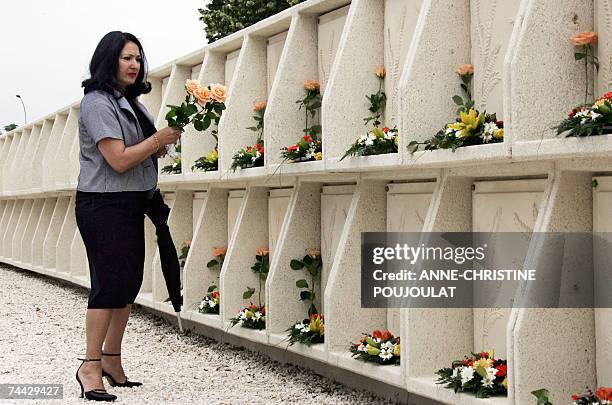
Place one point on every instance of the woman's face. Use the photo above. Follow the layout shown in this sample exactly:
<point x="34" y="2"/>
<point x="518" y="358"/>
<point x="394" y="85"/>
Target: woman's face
<point x="129" y="64"/>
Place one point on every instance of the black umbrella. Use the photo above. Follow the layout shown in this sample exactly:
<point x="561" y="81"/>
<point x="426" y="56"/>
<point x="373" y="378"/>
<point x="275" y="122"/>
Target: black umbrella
<point x="158" y="213"/>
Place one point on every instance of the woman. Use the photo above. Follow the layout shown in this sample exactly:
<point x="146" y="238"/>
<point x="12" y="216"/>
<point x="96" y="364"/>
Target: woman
<point x="118" y="176"/>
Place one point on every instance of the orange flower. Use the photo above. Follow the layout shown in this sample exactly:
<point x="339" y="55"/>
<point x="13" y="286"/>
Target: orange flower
<point x="314" y="253"/>
<point x="215" y="294"/>
<point x="312" y="85"/>
<point x="218" y="92"/>
<point x="380" y="72"/>
<point x="260" y="106"/>
<point x="192" y="86"/>
<point x="220" y="251"/>
<point x="585" y="38"/>
<point x="604" y="393"/>
<point x="188" y="242"/>
<point x="262" y="251"/>
<point x="465" y="69"/>
<point x="253" y="307"/>
<point x="202" y="94"/>
<point x="382" y="335"/>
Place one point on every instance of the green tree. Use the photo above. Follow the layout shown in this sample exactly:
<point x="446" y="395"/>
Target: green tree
<point x="224" y="17"/>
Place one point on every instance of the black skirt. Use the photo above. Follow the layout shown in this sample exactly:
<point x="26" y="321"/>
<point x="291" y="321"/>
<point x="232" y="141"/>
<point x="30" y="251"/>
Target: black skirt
<point x="112" y="228"/>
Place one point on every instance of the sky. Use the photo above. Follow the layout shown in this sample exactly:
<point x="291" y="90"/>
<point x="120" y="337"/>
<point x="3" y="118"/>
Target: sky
<point x="46" y="46"/>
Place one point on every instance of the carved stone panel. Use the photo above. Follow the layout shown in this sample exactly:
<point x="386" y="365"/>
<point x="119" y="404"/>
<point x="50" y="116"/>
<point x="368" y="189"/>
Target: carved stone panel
<point x="195" y="71"/>
<point x="400" y="20"/>
<point x="233" y="208"/>
<point x="603" y="27"/>
<point x="492" y="22"/>
<point x="335" y="203"/>
<point x="230" y="66"/>
<point x="277" y="208"/>
<point x="501" y="206"/>
<point x="407" y="205"/>
<point x="330" y="29"/>
<point x="275" y="49"/>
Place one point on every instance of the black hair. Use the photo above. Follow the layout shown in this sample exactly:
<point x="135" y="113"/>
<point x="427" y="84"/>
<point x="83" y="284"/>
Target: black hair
<point x="105" y="62"/>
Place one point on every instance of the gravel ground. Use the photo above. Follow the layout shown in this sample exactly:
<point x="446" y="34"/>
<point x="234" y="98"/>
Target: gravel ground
<point x="42" y="332"/>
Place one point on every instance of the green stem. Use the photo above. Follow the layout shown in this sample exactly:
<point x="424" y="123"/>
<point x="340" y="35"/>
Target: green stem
<point x="586" y="73"/>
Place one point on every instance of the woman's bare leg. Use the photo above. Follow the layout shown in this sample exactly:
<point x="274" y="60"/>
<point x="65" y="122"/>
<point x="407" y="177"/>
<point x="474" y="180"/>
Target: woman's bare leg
<point x="97" y="322"/>
<point x="112" y="343"/>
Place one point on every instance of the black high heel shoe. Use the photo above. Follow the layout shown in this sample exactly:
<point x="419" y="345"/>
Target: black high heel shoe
<point x="95" y="394"/>
<point x="111" y="380"/>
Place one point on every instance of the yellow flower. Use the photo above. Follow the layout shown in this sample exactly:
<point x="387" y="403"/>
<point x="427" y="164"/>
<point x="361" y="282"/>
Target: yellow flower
<point x="378" y="133"/>
<point x="396" y="350"/>
<point x="318" y="156"/>
<point x="505" y="383"/>
<point x="316" y="325"/>
<point x="484" y="363"/>
<point x="213" y="156"/>
<point x="249" y="314"/>
<point x="499" y="134"/>
<point x="469" y="122"/>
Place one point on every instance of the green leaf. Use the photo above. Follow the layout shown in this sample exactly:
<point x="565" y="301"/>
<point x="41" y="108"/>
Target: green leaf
<point x="457" y="100"/>
<point x="212" y="288"/>
<point x="296" y="264"/>
<point x="579" y="55"/>
<point x="301" y="284"/>
<point x="248" y="293"/>
<point x="198" y="125"/>
<point x="212" y="264"/>
<point x="304" y="295"/>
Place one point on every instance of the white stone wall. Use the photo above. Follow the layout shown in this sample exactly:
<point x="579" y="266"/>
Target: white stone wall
<point x="532" y="182"/>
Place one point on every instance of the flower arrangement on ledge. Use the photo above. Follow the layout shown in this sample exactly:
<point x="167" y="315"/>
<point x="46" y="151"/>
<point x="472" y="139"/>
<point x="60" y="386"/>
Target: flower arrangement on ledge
<point x="472" y="127"/>
<point x="210" y="303"/>
<point x="377" y="141"/>
<point x="254" y="316"/>
<point x="481" y="374"/>
<point x="208" y="163"/>
<point x="309" y="147"/>
<point x="312" y="329"/>
<point x="603" y="396"/>
<point x="588" y="119"/>
<point x="381" y="347"/>
<point x="252" y="156"/>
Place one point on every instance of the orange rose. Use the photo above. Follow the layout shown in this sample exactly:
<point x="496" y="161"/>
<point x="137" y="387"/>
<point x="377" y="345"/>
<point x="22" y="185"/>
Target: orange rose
<point x="262" y="251"/>
<point x="465" y="69"/>
<point x="604" y="393"/>
<point x="585" y="38"/>
<point x="220" y="251"/>
<point x="383" y="335"/>
<point x="191" y="86"/>
<point x="202" y="94"/>
<point x="188" y="242"/>
<point x="260" y="106"/>
<point x="312" y="85"/>
<point x="380" y="72"/>
<point x="219" y="92"/>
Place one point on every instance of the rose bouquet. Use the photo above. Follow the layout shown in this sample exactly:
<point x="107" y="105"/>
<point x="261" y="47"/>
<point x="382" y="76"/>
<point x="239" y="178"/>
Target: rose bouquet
<point x="252" y="317"/>
<point x="377" y="141"/>
<point x="210" y="303"/>
<point x="481" y="374"/>
<point x="380" y="347"/>
<point x="310" y="331"/>
<point x="309" y="147"/>
<point x="603" y="396"/>
<point x="252" y="156"/>
<point x="472" y="127"/>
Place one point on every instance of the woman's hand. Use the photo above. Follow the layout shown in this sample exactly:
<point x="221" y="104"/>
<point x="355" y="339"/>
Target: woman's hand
<point x="168" y="135"/>
<point x="161" y="152"/>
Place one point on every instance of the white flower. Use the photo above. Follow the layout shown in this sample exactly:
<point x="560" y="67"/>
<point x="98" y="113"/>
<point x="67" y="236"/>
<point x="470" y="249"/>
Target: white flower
<point x="490" y="128"/>
<point x="387" y="346"/>
<point x="449" y="131"/>
<point x="369" y="142"/>
<point x="486" y="382"/>
<point x="212" y="303"/>
<point x="362" y="348"/>
<point x="456" y="371"/>
<point x="363" y="138"/>
<point x="305" y="328"/>
<point x="594" y="115"/>
<point x="389" y="135"/>
<point x="486" y="137"/>
<point x="298" y="326"/>
<point x="254" y="158"/>
<point x="240" y="154"/>
<point x="242" y="315"/>
<point x="458" y="134"/>
<point x="467" y="373"/>
<point x="257" y="315"/>
<point x="385" y="354"/>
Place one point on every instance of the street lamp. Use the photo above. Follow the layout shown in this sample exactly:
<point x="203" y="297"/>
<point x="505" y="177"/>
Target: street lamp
<point x="25" y="117"/>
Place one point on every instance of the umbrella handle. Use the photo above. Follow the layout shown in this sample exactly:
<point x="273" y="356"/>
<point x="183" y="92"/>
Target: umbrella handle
<point x="180" y="324"/>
